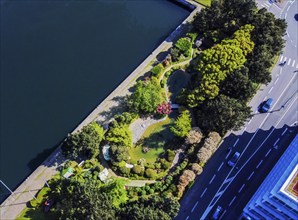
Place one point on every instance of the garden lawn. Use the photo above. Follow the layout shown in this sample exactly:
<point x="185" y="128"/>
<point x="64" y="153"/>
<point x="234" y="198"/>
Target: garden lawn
<point x="155" y="138"/>
<point x="204" y="2"/>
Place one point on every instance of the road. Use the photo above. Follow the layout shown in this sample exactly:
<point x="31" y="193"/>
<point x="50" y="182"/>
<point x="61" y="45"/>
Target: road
<point x="261" y="141"/>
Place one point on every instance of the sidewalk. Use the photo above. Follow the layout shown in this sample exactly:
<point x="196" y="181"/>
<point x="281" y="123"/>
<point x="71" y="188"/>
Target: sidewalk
<point x="16" y="202"/>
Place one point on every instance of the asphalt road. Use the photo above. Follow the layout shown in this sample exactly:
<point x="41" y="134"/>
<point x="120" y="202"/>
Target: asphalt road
<point x="261" y="141"/>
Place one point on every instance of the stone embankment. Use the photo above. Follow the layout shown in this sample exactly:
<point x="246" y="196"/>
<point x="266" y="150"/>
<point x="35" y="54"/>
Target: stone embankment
<point x="17" y="201"/>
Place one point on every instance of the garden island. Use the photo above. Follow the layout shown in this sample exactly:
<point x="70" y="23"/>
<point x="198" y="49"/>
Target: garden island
<point x="158" y="137"/>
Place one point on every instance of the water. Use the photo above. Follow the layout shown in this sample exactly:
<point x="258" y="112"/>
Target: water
<point x="60" y="59"/>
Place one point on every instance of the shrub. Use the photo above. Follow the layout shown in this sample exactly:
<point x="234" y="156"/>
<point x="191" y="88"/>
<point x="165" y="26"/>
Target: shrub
<point x="196" y="168"/>
<point x="150" y="173"/>
<point x="165" y="164"/>
<point x="184" y="44"/>
<point x="194" y="136"/>
<point x="204" y="154"/>
<point x="124" y="170"/>
<point x="137" y="169"/>
<point x="157" y="70"/>
<point x="170" y="155"/>
<point x="212" y="141"/>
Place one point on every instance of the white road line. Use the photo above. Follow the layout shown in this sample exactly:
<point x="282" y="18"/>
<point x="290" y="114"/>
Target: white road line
<point x="286" y="17"/>
<point x="293" y="64"/>
<point x="220" y="166"/>
<point x="297" y="65"/>
<point x="268" y="152"/>
<point x="219" y="194"/>
<point x="228" y="154"/>
<point x="241" y="188"/>
<point x="284" y="131"/>
<point x="187" y="218"/>
<point x="244" y="129"/>
<point x="249" y="121"/>
<point x="270" y="90"/>
<point x="251" y="175"/>
<point x="259" y="164"/>
<point x="194" y="206"/>
<point x="294" y="123"/>
<point x="281" y="58"/>
<point x="228" y="180"/>
<point x="285" y="59"/>
<point x="276" y="81"/>
<point x="288" y="8"/>
<point x="276" y="142"/>
<point x="236" y="142"/>
<point x="289" y="61"/>
<point x="203" y="193"/>
<point x="212" y="179"/>
<point x="232" y="201"/>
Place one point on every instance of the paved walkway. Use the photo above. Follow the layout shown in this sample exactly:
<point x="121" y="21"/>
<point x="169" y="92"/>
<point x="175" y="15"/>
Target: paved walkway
<point x="15" y="203"/>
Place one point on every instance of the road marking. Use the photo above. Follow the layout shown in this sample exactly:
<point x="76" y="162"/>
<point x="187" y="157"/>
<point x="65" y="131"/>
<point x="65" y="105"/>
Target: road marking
<point x="276" y="81"/>
<point x="281" y="58"/>
<point x="285" y="59"/>
<point x="219" y="194"/>
<point x="249" y="121"/>
<point x="259" y="164"/>
<point x="232" y="201"/>
<point x="193" y="208"/>
<point x="236" y="142"/>
<point x="207" y="210"/>
<point x="251" y="175"/>
<point x="289" y="61"/>
<point x="270" y="90"/>
<point x="212" y="179"/>
<point x="220" y="166"/>
<point x="284" y="131"/>
<point x="244" y="129"/>
<point x="228" y="154"/>
<point x="294" y="123"/>
<point x="228" y="180"/>
<point x="293" y="64"/>
<point x="241" y="188"/>
<point x="297" y="65"/>
<point x="266" y="97"/>
<point x="276" y="142"/>
<point x="268" y="152"/>
<point x="203" y="193"/>
<point x="187" y="218"/>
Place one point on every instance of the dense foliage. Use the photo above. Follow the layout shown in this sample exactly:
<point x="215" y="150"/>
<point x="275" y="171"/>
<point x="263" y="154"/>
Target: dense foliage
<point x="182" y="125"/>
<point x="84" y="143"/>
<point x="146" y="97"/>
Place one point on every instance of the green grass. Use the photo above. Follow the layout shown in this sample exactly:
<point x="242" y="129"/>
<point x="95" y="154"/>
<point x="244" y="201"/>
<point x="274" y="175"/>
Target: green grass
<point x="204" y="2"/>
<point x="155" y="138"/>
<point x="36" y="213"/>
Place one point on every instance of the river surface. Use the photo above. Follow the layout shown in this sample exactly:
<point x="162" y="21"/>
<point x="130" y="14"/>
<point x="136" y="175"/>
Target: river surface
<point x="59" y="60"/>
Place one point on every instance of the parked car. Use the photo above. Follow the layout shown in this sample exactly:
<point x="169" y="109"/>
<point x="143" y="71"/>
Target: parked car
<point x="265" y="106"/>
<point x="217" y="213"/>
<point x="234" y="159"/>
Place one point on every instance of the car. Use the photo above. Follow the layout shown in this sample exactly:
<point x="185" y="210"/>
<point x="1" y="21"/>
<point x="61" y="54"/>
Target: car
<point x="266" y="105"/>
<point x="217" y="213"/>
<point x="234" y="159"/>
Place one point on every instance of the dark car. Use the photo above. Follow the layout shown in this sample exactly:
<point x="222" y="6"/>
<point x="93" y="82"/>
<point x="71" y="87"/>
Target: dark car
<point x="265" y="106"/>
<point x="217" y="213"/>
<point x="234" y="159"/>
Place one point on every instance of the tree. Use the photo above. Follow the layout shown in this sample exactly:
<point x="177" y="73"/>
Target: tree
<point x="194" y="136"/>
<point x="212" y="141"/>
<point x="164" y="108"/>
<point x="119" y="153"/>
<point x="184" y="46"/>
<point x="146" y="97"/>
<point x="186" y="177"/>
<point x="182" y="125"/>
<point x="84" y="201"/>
<point x="222" y="114"/>
<point x="84" y="143"/>
<point x="116" y="189"/>
<point x="150" y="173"/>
<point x="120" y="135"/>
<point x="237" y="85"/>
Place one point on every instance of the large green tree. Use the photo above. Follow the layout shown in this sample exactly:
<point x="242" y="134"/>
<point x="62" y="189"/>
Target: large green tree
<point x="120" y="135"/>
<point x="84" y="143"/>
<point x="222" y="114"/>
<point x="147" y="96"/>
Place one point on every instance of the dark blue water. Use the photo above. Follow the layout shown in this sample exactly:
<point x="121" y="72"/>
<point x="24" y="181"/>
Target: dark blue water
<point x="60" y="59"/>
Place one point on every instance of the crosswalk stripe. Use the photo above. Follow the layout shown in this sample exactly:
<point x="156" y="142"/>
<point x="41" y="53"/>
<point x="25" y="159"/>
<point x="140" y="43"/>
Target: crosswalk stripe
<point x="267" y="4"/>
<point x="281" y="58"/>
<point x="289" y="61"/>
<point x="293" y="63"/>
<point x="285" y="59"/>
<point x="297" y="65"/>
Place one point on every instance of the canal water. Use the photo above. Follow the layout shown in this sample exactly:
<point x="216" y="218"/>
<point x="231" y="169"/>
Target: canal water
<point x="60" y="59"/>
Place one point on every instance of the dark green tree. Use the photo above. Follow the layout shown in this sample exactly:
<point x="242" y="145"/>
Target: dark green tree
<point x="84" y="143"/>
<point x="182" y="125"/>
<point x="222" y="114"/>
<point x="119" y="153"/>
<point x="120" y="135"/>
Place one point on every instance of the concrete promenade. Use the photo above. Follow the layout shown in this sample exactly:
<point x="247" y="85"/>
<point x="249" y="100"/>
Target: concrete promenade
<point x="17" y="201"/>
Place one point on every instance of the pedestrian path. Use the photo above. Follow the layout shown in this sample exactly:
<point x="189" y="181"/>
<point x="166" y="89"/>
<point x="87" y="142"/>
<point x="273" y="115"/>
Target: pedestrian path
<point x="289" y="61"/>
<point x="264" y="4"/>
